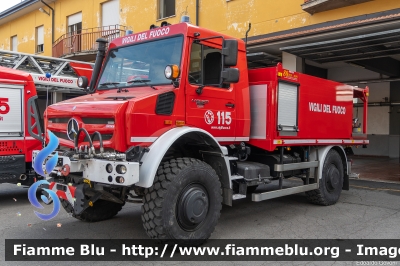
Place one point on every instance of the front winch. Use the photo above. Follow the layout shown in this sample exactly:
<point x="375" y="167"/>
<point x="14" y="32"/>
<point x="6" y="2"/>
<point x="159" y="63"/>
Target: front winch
<point x="109" y="168"/>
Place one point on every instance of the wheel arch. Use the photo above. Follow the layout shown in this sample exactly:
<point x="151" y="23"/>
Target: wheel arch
<point x="343" y="155"/>
<point x="174" y="139"/>
<point x="322" y="153"/>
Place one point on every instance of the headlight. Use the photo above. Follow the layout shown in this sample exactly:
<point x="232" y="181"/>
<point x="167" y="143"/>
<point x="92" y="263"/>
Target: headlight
<point x="121" y="169"/>
<point x="120" y="179"/>
<point x="109" y="168"/>
<point x="82" y="82"/>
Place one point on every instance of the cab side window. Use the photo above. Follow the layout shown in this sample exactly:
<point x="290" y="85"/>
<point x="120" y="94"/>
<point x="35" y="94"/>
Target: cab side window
<point x="205" y="65"/>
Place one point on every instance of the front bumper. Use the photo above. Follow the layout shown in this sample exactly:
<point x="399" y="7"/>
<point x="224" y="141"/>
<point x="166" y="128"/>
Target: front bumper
<point x="86" y="192"/>
<point x="76" y="195"/>
<point x="94" y="170"/>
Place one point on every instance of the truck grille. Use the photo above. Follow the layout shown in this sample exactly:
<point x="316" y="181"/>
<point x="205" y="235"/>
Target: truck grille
<point x="59" y="120"/>
<point x="86" y="120"/>
<point x="98" y="121"/>
<point x="90" y="123"/>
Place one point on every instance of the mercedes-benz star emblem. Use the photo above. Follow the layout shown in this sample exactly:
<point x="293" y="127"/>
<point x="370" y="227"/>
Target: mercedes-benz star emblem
<point x="72" y="128"/>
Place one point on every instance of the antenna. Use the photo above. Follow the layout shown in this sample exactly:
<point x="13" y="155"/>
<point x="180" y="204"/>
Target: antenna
<point x="185" y="18"/>
<point x="247" y="32"/>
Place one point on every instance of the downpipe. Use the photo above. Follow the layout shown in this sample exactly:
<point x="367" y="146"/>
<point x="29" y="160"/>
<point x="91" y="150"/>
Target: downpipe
<point x="23" y="177"/>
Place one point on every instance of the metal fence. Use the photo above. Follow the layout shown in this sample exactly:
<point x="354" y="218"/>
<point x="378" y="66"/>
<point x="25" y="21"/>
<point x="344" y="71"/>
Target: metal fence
<point x="84" y="41"/>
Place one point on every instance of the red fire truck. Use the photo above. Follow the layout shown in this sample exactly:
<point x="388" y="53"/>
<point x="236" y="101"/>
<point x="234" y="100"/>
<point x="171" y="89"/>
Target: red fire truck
<point x="21" y="123"/>
<point x="196" y="130"/>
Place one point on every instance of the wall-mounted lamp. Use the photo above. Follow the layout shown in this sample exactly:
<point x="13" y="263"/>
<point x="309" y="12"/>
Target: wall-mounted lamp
<point x="44" y="11"/>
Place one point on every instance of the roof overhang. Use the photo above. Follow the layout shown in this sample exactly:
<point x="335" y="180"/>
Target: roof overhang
<point x="360" y="47"/>
<point x="315" y="6"/>
<point x="354" y="26"/>
<point x="21" y="9"/>
<point x="372" y="43"/>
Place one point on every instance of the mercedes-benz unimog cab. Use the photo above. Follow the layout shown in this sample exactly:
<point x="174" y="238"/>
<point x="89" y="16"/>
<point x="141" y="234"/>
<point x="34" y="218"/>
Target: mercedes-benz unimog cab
<point x="175" y="120"/>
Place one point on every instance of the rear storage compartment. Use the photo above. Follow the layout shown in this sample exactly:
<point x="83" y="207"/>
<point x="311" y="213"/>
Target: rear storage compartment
<point x="297" y="109"/>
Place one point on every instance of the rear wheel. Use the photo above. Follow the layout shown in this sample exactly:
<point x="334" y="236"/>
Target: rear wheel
<point x="331" y="183"/>
<point x="184" y="202"/>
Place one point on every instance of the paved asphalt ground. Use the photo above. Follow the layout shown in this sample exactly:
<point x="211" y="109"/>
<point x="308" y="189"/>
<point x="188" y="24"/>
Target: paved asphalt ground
<point x="368" y="210"/>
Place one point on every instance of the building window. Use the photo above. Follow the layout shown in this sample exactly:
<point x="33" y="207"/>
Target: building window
<point x="74" y="32"/>
<point x="75" y="23"/>
<point x="14" y="43"/>
<point x="166" y="8"/>
<point x="40" y="39"/>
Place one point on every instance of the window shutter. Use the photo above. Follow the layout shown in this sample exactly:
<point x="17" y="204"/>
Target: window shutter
<point x="110" y="13"/>
<point x="75" y="19"/>
<point x="40" y="35"/>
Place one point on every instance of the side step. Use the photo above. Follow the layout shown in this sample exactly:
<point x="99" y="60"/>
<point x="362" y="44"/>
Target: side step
<point x="288" y="191"/>
<point x="282" y="192"/>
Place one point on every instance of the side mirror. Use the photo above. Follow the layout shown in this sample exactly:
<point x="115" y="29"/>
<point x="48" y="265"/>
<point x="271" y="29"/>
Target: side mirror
<point x="230" y="52"/>
<point x="230" y="75"/>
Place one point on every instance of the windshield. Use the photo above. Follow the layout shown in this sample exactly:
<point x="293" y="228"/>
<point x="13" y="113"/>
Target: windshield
<point x="141" y="64"/>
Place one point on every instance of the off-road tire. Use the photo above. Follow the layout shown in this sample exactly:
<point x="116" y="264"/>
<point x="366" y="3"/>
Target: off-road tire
<point x="101" y="210"/>
<point x="163" y="202"/>
<point x="331" y="183"/>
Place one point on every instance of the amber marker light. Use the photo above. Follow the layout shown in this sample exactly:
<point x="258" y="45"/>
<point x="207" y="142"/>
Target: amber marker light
<point x="180" y="123"/>
<point x="167" y="122"/>
<point x="171" y="72"/>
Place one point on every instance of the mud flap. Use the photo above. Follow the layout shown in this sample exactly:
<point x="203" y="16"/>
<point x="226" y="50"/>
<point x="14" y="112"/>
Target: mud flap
<point x="346" y="182"/>
<point x="81" y="203"/>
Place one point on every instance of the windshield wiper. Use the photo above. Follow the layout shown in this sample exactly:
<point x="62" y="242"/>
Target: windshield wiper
<point x="142" y="81"/>
<point x="109" y="83"/>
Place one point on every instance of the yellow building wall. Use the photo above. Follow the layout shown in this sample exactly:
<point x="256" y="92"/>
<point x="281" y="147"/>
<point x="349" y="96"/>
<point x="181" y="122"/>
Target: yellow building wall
<point x="232" y="18"/>
<point x="91" y="14"/>
<point x="25" y="26"/>
<point x="25" y="29"/>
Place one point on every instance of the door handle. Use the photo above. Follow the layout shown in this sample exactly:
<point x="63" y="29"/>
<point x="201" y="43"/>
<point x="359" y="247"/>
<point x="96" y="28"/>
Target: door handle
<point x="230" y="105"/>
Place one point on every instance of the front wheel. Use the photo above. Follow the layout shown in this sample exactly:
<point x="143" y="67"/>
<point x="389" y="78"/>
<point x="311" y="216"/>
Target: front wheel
<point x="331" y="183"/>
<point x="184" y="202"/>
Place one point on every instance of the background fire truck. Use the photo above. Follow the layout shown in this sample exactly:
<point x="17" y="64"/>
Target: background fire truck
<point x="21" y="123"/>
<point x="197" y="131"/>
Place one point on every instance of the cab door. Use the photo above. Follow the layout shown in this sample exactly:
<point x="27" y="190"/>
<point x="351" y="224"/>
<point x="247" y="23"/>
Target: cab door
<point x="209" y="106"/>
